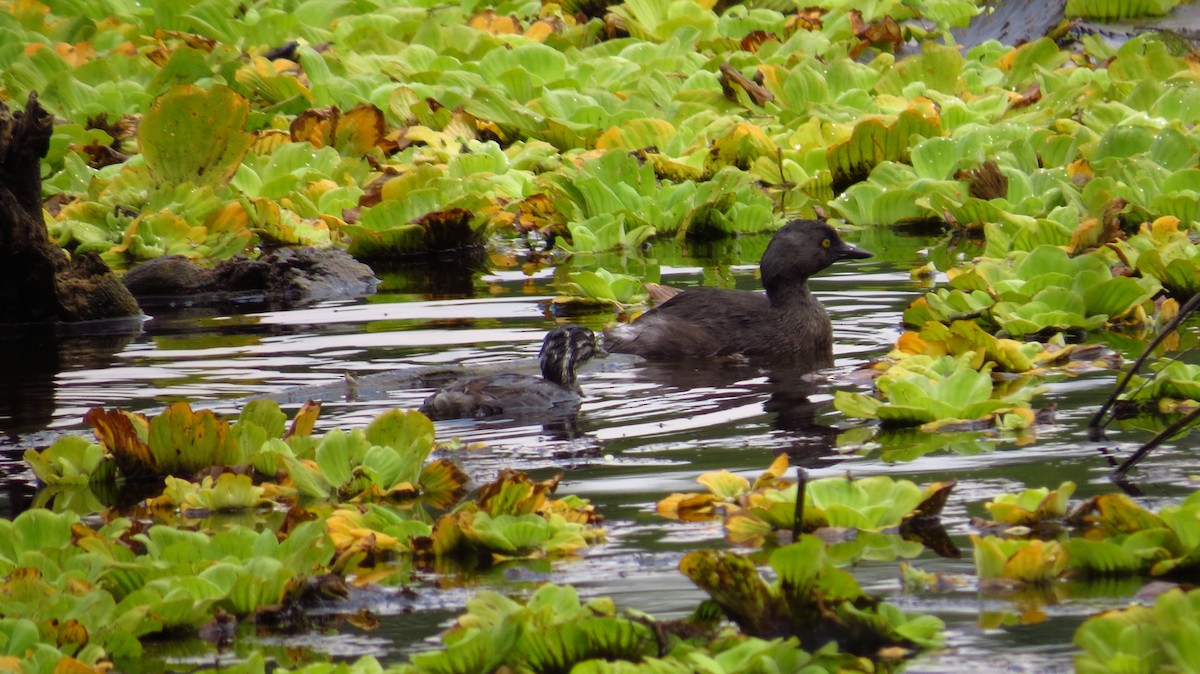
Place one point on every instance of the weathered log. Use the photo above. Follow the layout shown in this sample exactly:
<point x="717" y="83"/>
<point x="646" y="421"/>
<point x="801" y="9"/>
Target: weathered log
<point x="39" y="283"/>
<point x="281" y="278"/>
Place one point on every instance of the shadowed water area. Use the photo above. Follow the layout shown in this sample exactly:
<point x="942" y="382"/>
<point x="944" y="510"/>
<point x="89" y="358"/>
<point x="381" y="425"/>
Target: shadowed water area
<point x="644" y="431"/>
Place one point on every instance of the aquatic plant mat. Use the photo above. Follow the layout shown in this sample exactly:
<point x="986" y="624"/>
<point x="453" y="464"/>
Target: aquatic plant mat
<point x="1044" y="156"/>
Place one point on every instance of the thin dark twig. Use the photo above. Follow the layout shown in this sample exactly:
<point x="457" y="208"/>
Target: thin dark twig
<point x="1149" y="380"/>
<point x="1157" y="440"/>
<point x="1097" y="423"/>
<point x="798" y="515"/>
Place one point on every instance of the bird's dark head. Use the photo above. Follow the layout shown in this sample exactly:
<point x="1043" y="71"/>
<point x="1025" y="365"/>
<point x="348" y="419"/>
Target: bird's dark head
<point x="802" y="248"/>
<point x="565" y="348"/>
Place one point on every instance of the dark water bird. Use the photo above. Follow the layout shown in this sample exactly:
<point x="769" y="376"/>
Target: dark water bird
<point x="787" y="325"/>
<point x="510" y="393"/>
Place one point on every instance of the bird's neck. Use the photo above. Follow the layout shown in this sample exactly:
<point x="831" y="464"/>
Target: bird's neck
<point x="791" y="295"/>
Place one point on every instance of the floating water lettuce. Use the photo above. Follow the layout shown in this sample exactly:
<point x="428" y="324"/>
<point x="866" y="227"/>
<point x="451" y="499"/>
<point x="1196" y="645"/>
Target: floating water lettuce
<point x="609" y="202"/>
<point x="553" y="630"/>
<point x="193" y="135"/>
<point x="514" y="517"/>
<point x="71" y="460"/>
<point x="1110" y="536"/>
<point x="1118" y="9"/>
<point x="118" y="585"/>
<point x="960" y="337"/>
<point x="143" y="578"/>
<point x="810" y="599"/>
<point x="922" y="390"/>
<point x="1173" y="383"/>
<point x="226" y="493"/>
<point x="753" y="513"/>
<point x="1163" y="250"/>
<point x="1031" y="506"/>
<point x="369" y="534"/>
<point x="1122" y="537"/>
<point x="1033" y="562"/>
<point x="1157" y="638"/>
<point x="876" y="140"/>
<point x="1044" y="289"/>
<point x="602" y="289"/>
<point x="179" y="441"/>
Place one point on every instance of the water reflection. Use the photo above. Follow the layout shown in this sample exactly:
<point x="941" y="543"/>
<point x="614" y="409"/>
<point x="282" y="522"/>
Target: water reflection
<point x="784" y="393"/>
<point x="32" y="357"/>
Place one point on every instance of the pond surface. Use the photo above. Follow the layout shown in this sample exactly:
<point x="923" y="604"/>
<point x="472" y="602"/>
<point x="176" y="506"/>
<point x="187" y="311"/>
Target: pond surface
<point x="644" y="431"/>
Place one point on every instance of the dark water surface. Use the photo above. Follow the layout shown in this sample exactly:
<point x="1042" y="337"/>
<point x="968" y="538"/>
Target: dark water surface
<point x="644" y="431"/>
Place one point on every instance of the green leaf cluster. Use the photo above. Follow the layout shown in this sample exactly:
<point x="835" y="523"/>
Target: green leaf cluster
<point x="923" y="390"/>
<point x="553" y="630"/>
<point x="1037" y="291"/>
<point x="514" y="517"/>
<point x="1109" y="536"/>
<point x="1031" y="506"/>
<point x="96" y="593"/>
<point x="810" y="599"/>
<point x="876" y="507"/>
<point x="1158" y="638"/>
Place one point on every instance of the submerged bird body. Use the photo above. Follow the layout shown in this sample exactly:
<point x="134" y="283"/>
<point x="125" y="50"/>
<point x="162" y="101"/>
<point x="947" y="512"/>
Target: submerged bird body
<point x="787" y="324"/>
<point x="514" y="394"/>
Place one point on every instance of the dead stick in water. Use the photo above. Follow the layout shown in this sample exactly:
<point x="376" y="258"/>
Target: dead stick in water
<point x="798" y="516"/>
<point x="1157" y="440"/>
<point x="1097" y="423"/>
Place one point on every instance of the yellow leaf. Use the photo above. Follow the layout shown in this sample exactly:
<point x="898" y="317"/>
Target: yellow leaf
<point x="724" y="484"/>
<point x="911" y="343"/>
<point x="775" y="471"/>
<point x="688" y="507"/>
<point x="305" y="419"/>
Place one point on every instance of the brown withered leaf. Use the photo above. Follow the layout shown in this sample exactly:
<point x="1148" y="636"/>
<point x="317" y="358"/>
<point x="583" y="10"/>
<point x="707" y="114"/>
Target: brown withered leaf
<point x="756" y="38"/>
<point x="1031" y="95"/>
<point x="295" y="516"/>
<point x="158" y="56"/>
<point x="443" y="483"/>
<point x="449" y="229"/>
<point x="615" y="26"/>
<point x="121" y="432"/>
<point x="316" y="126"/>
<point x="124" y="128"/>
<point x="689" y="507"/>
<point x="934" y="499"/>
<point x="659" y="292"/>
<point x="267" y="140"/>
<point x="71" y="632"/>
<point x="360" y="128"/>
<point x="364" y="620"/>
<point x="537" y="213"/>
<point x="985" y="182"/>
<point x="55" y="202"/>
<point x="930" y="533"/>
<point x="882" y="32"/>
<point x="190" y="39"/>
<point x="99" y="155"/>
<point x="372" y="193"/>
<point x="285" y="51"/>
<point x="809" y="18"/>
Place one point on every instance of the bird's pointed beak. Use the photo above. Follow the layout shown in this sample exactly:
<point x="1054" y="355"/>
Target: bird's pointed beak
<point x="846" y="251"/>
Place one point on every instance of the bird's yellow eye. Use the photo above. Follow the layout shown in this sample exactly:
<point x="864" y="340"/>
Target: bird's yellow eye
<point x="825" y="243"/>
